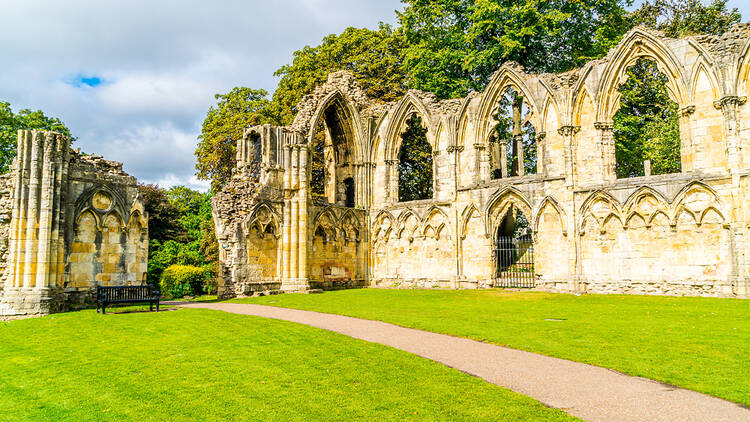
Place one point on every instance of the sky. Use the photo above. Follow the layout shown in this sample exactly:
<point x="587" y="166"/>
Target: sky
<point x="133" y="79"/>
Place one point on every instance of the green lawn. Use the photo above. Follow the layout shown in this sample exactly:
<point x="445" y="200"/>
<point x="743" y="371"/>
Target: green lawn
<point x="698" y="343"/>
<point x="195" y="364"/>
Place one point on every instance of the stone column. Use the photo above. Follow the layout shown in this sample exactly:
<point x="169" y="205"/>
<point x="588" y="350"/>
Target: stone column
<point x="36" y="241"/>
<point x="482" y="163"/>
<point x="503" y="159"/>
<point x="729" y="106"/>
<point x="688" y="150"/>
<point x="568" y="133"/>
<point x="294" y="237"/>
<point x="392" y="175"/>
<point x="607" y="147"/>
<point x="542" y="154"/>
<point x="518" y="141"/>
<point x="287" y="223"/>
<point x="302" y="197"/>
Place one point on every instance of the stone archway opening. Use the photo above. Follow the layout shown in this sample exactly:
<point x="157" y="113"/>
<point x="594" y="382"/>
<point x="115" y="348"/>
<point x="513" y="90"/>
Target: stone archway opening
<point x="333" y="174"/>
<point x="513" y="149"/>
<point x="646" y="125"/>
<point x="514" y="251"/>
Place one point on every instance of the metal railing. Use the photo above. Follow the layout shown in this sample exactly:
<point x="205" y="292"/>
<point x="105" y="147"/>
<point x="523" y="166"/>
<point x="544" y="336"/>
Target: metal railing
<point x="514" y="260"/>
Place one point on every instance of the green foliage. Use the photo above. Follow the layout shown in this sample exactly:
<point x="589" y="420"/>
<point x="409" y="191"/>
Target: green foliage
<point x="374" y="57"/>
<point x="415" y="162"/>
<point x="646" y="127"/>
<point x="317" y="164"/>
<point x="679" y="18"/>
<point x="11" y="123"/>
<point x="182" y="280"/>
<point x="181" y="232"/>
<point x="224" y="125"/>
<point x="454" y="46"/>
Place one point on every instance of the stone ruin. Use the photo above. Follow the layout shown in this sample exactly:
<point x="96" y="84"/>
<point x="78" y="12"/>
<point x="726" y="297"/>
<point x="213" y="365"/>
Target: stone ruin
<point x="68" y="222"/>
<point x="679" y="234"/>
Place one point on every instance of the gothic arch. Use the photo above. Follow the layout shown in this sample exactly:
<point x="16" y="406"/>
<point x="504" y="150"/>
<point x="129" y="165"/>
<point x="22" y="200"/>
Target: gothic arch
<point x="742" y="84"/>
<point x="407" y="106"/>
<point x="600" y="206"/>
<point x="337" y="99"/>
<point x="551" y="202"/>
<point x="695" y="199"/>
<point x="636" y="44"/>
<point x="466" y="216"/>
<point x="384" y="224"/>
<point x="644" y="191"/>
<point x="702" y="66"/>
<point x="504" y="78"/>
<point x="404" y="218"/>
<point x="499" y="205"/>
<point x="428" y="221"/>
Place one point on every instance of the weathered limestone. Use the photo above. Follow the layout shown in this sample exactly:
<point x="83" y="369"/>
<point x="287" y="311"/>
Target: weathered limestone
<point x="75" y="222"/>
<point x="677" y="234"/>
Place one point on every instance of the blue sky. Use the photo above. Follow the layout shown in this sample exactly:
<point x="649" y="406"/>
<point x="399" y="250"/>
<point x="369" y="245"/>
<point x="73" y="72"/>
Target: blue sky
<point x="133" y="79"/>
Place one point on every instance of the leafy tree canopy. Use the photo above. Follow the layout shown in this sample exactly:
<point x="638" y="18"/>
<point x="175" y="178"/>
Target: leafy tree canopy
<point x="415" y="162"/>
<point x="11" y="123"/>
<point x="373" y="57"/>
<point x="224" y="124"/>
<point x="679" y="18"/>
<point x="454" y="46"/>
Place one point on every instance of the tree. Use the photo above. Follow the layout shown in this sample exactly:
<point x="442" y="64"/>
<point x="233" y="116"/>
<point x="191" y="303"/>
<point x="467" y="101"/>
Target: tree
<point x="646" y="127"/>
<point x="679" y="18"/>
<point x="374" y="57"/>
<point x="454" y="46"/>
<point x="11" y="123"/>
<point x="224" y="125"/>
<point x="415" y="162"/>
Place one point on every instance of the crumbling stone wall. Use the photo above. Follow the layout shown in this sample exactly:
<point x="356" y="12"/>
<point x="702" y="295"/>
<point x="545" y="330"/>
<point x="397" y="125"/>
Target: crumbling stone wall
<point x="6" y="182"/>
<point x="679" y="234"/>
<point x="74" y="222"/>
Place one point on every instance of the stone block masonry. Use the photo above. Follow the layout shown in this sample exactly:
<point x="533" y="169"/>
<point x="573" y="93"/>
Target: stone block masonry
<point x="590" y="231"/>
<point x="71" y="222"/>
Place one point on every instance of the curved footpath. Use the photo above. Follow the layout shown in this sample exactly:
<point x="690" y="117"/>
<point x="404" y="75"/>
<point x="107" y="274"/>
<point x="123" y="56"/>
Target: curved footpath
<point x="589" y="392"/>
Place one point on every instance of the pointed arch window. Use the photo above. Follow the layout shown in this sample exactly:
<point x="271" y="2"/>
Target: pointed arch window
<point x="646" y="126"/>
<point x="415" y="172"/>
<point x="513" y="149"/>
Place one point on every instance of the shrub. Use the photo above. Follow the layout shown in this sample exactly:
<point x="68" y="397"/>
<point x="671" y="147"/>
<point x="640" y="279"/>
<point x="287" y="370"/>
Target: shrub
<point x="180" y="280"/>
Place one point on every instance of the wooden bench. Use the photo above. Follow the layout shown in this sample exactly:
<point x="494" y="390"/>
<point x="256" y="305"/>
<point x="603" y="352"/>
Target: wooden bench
<point x="107" y="295"/>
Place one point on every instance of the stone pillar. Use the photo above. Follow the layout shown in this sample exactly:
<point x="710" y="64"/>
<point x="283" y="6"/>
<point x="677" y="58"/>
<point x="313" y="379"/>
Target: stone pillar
<point x="294" y="236"/>
<point x="287" y="223"/>
<point x="688" y="150"/>
<point x="36" y="241"/>
<point x="518" y="142"/>
<point x="503" y="159"/>
<point x="392" y="175"/>
<point x="607" y="147"/>
<point x="302" y="196"/>
<point x="542" y="154"/>
<point x="729" y="106"/>
<point x="568" y="133"/>
<point x="482" y="163"/>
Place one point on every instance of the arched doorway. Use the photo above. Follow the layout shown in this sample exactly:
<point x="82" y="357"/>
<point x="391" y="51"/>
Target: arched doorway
<point x="514" y="252"/>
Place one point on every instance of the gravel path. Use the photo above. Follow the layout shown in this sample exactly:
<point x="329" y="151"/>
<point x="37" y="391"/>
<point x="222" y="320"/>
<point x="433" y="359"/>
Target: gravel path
<point x="589" y="392"/>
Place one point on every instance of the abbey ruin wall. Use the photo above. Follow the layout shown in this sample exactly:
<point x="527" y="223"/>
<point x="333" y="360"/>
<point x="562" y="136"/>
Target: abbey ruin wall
<point x="71" y="221"/>
<point x="585" y="229"/>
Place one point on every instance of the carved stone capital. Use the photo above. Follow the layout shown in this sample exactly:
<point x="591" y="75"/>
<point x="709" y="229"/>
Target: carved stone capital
<point x="608" y="126"/>
<point x="479" y="147"/>
<point x="391" y="162"/>
<point x="687" y="110"/>
<point x="729" y="100"/>
<point x="455" y="148"/>
<point x="541" y="135"/>
<point x="435" y="153"/>
<point x="568" y="130"/>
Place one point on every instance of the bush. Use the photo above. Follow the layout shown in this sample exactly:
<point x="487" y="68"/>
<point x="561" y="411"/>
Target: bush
<point x="181" y="280"/>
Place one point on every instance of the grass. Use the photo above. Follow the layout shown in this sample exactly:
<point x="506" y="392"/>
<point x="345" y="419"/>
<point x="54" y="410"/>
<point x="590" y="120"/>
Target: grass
<point x="193" y="364"/>
<point x="702" y="344"/>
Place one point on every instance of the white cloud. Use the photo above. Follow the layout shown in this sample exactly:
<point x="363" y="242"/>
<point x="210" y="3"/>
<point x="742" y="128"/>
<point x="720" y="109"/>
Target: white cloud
<point x="161" y="64"/>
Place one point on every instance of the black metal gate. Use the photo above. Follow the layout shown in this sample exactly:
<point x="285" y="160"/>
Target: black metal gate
<point x="514" y="260"/>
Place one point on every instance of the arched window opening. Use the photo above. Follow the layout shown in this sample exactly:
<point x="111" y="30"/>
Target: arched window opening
<point x="513" y="149"/>
<point x="415" y="162"/>
<point x="332" y="156"/>
<point x="646" y="127"/>
<point x="514" y="251"/>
